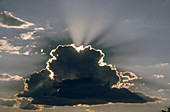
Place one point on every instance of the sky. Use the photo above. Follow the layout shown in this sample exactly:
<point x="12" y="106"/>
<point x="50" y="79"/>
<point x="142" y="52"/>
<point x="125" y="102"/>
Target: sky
<point x="133" y="35"/>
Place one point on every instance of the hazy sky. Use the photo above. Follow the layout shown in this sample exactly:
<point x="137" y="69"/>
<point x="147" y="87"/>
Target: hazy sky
<point x="133" y="34"/>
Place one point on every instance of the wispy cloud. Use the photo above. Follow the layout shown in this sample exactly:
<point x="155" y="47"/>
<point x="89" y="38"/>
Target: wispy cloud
<point x="159" y="76"/>
<point x="8" y="48"/>
<point x="160" y="65"/>
<point x="7" y="77"/>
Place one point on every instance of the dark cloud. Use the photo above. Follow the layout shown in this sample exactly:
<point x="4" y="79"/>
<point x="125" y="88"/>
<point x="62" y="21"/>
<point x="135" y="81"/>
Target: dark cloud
<point x="7" y="20"/>
<point x="77" y="75"/>
<point x="22" y="103"/>
<point x="8" y="102"/>
<point x="71" y="64"/>
<point x="26" y="104"/>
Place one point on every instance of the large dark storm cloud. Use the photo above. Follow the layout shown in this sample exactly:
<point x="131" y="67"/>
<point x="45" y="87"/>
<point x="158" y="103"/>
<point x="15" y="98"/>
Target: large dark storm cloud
<point x="78" y="78"/>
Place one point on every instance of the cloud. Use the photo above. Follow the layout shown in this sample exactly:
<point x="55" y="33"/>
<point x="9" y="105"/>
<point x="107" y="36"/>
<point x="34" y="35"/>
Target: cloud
<point x="159" y="76"/>
<point x="22" y="103"/>
<point x="88" y="110"/>
<point x="26" y="104"/>
<point x="79" y="75"/>
<point x="126" y="79"/>
<point x="8" y="102"/>
<point x="128" y="76"/>
<point x="160" y="65"/>
<point x="7" y="47"/>
<point x="161" y="90"/>
<point x="7" y="20"/>
<point x="29" y="35"/>
<point x="7" y="77"/>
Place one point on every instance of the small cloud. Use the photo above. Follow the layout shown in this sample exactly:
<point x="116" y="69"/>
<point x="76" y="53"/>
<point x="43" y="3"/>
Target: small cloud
<point x="37" y="29"/>
<point x="162" y="64"/>
<point x="126" y="77"/>
<point x="161" y="90"/>
<point x="27" y="53"/>
<point x="7" y="77"/>
<point x="28" y="35"/>
<point x="159" y="76"/>
<point x="7" y="47"/>
<point x="7" y="20"/>
<point x="88" y="110"/>
<point x="4" y="37"/>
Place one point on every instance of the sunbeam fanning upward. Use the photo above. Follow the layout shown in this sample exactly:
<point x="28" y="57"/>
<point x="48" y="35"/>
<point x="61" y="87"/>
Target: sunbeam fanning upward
<point x="86" y="20"/>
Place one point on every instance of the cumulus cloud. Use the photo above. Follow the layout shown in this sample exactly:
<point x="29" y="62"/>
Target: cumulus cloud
<point x="126" y="79"/>
<point x="7" y="47"/>
<point x="79" y="75"/>
<point x="7" y="77"/>
<point x="128" y="76"/>
<point x="7" y="20"/>
<point x="30" y="35"/>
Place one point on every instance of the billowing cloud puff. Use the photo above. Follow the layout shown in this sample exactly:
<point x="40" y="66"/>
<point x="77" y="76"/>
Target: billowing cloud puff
<point x="7" y="20"/>
<point x="86" y="63"/>
<point x="79" y="75"/>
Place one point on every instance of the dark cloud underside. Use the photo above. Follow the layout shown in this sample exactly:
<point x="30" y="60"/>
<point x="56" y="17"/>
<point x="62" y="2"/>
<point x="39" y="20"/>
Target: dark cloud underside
<point x="10" y="21"/>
